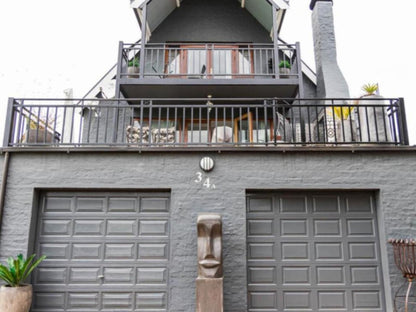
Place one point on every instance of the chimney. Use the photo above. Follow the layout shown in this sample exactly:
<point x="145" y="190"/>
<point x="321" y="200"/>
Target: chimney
<point x="330" y="80"/>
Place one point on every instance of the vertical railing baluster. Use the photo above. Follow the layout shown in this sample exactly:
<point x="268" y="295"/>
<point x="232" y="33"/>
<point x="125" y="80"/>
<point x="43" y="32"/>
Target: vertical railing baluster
<point x="375" y="123"/>
<point x="192" y="125"/>
<point x="384" y="123"/>
<point x="404" y="135"/>
<point x="309" y="124"/>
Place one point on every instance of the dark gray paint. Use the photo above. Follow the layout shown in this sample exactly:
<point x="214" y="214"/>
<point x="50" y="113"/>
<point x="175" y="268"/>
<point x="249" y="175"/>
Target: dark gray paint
<point x="210" y="21"/>
<point x="234" y="173"/>
<point x="124" y="238"/>
<point x="318" y="250"/>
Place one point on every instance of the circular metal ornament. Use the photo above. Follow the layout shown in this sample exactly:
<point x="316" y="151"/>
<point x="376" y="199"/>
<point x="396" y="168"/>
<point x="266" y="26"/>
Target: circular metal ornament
<point x="206" y="164"/>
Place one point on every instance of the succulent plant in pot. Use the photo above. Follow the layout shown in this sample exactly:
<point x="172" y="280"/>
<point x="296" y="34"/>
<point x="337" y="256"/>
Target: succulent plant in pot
<point x="133" y="67"/>
<point x="16" y="296"/>
<point x="370" y="89"/>
<point x="284" y="69"/>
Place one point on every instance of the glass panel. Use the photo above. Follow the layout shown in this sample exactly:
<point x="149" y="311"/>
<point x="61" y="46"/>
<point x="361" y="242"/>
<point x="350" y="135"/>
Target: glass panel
<point x="197" y="61"/>
<point x="222" y="64"/>
<point x="244" y="62"/>
<point x="173" y="62"/>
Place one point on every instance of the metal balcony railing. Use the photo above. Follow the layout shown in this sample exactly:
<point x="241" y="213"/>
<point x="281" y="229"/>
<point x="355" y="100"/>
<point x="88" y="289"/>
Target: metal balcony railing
<point x="206" y="123"/>
<point x="210" y="61"/>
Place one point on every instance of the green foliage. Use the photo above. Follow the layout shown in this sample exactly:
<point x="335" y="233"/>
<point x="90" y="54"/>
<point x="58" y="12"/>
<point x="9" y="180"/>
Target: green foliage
<point x="19" y="269"/>
<point x="285" y="64"/>
<point x="370" y="88"/>
<point x="134" y="62"/>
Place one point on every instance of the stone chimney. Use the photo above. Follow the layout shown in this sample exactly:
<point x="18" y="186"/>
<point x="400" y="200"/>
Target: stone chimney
<point x="330" y="80"/>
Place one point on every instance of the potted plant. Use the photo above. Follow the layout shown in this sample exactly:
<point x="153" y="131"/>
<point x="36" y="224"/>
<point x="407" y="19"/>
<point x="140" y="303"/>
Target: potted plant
<point x="16" y="296"/>
<point x="133" y="68"/>
<point x="373" y="120"/>
<point x="284" y="69"/>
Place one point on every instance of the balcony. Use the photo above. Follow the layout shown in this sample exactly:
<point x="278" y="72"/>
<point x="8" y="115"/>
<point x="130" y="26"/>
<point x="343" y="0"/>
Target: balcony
<point x="197" y="70"/>
<point x="234" y="124"/>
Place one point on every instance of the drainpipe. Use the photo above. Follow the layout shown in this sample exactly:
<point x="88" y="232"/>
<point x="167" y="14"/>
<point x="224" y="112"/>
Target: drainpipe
<point x="3" y="185"/>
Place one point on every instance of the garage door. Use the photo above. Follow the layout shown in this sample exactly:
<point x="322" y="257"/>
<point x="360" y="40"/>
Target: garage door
<point x="313" y="251"/>
<point x="106" y="252"/>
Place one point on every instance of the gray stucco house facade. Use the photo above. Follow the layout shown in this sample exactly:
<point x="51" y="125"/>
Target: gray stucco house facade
<point x="309" y="182"/>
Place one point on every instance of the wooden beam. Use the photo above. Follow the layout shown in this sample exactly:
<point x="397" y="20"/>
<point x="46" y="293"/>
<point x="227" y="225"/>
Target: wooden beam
<point x="178" y="3"/>
<point x="243" y="3"/>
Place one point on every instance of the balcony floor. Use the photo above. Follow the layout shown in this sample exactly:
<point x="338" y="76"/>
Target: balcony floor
<point x="201" y="88"/>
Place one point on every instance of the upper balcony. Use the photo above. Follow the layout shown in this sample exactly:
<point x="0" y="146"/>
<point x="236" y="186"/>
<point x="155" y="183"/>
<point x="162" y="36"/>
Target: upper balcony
<point x="196" y="70"/>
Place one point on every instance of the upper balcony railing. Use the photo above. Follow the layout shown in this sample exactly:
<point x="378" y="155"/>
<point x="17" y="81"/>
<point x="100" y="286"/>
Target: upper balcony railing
<point x="210" y="61"/>
<point x="205" y="123"/>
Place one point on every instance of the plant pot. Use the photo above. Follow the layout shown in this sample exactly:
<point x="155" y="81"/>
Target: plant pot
<point x="284" y="72"/>
<point x="133" y="72"/>
<point x="373" y="121"/>
<point x="15" y="299"/>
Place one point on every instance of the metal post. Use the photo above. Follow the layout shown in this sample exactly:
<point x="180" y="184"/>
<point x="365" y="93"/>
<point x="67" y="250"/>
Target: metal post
<point x="9" y="123"/>
<point x="143" y="42"/>
<point x="119" y="68"/>
<point x="404" y="135"/>
<point x="275" y="43"/>
<point x="300" y="73"/>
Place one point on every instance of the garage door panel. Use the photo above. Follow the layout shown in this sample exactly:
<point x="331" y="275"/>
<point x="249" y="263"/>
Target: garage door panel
<point x="152" y="276"/>
<point x="361" y="227"/>
<point x="260" y="227"/>
<point x="364" y="275"/>
<point x="122" y="204"/>
<point x="83" y="300"/>
<point x="262" y="276"/>
<point x="331" y="300"/>
<point x="154" y="204"/>
<point x="44" y="301"/>
<point x="296" y="300"/>
<point x="293" y="227"/>
<point x="88" y="227"/>
<point x="330" y="275"/>
<point x="323" y="253"/>
<point x="359" y="203"/>
<point x="295" y="275"/>
<point x="325" y="204"/>
<point x="55" y="227"/>
<point x="293" y="204"/>
<point x="91" y="205"/>
<point x="57" y="204"/>
<point x="84" y="275"/>
<point x="327" y="227"/>
<point x="105" y="251"/>
<point x="295" y="251"/>
<point x="147" y="301"/>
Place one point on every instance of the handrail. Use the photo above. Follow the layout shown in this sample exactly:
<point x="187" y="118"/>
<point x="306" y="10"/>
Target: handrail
<point x="226" y="121"/>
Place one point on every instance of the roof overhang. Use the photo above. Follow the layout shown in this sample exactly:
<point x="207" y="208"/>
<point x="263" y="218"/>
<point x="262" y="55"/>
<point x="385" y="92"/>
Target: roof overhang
<point x="159" y="10"/>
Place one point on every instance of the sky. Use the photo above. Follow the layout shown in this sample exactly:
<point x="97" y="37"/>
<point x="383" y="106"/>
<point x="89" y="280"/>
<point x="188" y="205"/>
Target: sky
<point x="47" y="46"/>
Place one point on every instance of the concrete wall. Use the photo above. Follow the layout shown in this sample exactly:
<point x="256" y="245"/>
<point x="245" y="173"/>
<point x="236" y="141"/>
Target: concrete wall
<point x="210" y="21"/>
<point x="389" y="172"/>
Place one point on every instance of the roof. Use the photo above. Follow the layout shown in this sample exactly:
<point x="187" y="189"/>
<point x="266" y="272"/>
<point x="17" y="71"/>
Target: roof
<point x="159" y="10"/>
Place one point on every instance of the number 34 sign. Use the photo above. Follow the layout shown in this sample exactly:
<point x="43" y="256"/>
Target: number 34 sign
<point x="204" y="180"/>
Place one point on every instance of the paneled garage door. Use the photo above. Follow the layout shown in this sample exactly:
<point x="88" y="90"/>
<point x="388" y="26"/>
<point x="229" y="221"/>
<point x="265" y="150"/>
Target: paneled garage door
<point x="313" y="251"/>
<point x="106" y="252"/>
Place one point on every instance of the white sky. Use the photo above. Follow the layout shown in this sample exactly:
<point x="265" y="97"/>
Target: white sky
<point x="47" y="46"/>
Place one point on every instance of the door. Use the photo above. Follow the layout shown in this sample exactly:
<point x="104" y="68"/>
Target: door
<point x="106" y="251"/>
<point x="313" y="251"/>
<point x="211" y="61"/>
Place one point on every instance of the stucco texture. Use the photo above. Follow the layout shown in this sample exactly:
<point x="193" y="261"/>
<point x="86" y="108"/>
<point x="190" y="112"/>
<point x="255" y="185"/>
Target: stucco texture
<point x="391" y="174"/>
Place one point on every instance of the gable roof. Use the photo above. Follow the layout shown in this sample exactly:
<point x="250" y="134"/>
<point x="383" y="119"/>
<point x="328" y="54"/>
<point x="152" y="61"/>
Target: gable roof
<point x="159" y="10"/>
